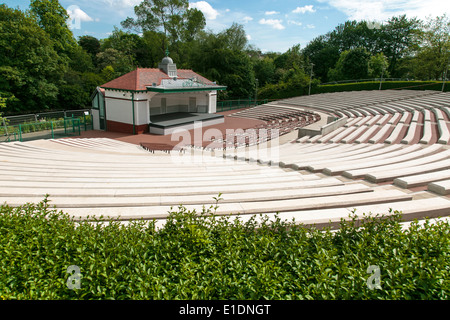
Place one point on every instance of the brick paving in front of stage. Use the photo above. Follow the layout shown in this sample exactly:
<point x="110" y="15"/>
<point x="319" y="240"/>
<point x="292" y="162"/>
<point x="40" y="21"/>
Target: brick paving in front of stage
<point x="230" y="123"/>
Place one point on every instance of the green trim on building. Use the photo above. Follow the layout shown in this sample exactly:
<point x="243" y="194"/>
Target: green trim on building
<point x="172" y="90"/>
<point x="191" y="89"/>
<point x="125" y="90"/>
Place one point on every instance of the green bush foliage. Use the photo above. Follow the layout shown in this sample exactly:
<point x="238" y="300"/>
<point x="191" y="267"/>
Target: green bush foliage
<point x="285" y="91"/>
<point x="203" y="256"/>
<point x="386" y="85"/>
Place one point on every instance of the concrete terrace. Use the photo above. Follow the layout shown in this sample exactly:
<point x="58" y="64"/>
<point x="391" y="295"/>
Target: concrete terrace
<point x="319" y="179"/>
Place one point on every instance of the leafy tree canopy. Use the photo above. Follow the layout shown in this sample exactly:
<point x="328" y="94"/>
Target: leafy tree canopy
<point x="172" y="17"/>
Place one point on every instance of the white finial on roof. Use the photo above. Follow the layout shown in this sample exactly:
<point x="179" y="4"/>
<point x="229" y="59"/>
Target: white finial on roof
<point x="168" y="67"/>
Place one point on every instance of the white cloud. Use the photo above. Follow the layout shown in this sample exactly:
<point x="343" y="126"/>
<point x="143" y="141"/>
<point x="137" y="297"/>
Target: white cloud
<point x="275" y="23"/>
<point x="310" y="26"/>
<point x="384" y="9"/>
<point x="209" y="12"/>
<point x="123" y="3"/>
<point x="305" y="9"/>
<point x="295" y="23"/>
<point x="247" y="19"/>
<point x="75" y="13"/>
<point x="249" y="37"/>
<point x="270" y="13"/>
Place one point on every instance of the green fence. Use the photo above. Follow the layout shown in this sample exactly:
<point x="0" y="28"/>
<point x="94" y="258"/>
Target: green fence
<point x="227" y="105"/>
<point x="66" y="127"/>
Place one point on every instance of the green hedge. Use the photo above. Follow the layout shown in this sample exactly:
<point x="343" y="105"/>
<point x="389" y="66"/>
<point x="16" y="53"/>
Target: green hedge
<point x="374" y="85"/>
<point x="284" y="91"/>
<point x="201" y="256"/>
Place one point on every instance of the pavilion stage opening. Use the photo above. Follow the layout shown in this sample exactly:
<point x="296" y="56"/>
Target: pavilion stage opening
<point x="165" y="124"/>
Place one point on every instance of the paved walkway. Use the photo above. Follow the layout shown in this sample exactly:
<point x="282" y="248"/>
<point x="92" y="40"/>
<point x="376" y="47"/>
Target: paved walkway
<point x="231" y="123"/>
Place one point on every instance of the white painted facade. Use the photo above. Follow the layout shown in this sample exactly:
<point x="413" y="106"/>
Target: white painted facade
<point x="119" y="105"/>
<point x="135" y="97"/>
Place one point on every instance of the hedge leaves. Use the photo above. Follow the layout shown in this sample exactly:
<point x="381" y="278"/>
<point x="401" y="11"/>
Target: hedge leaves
<point x="202" y="256"/>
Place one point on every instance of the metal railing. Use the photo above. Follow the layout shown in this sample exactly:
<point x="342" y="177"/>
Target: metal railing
<point x="365" y="80"/>
<point x="66" y="127"/>
<point x="47" y="116"/>
<point x="227" y="105"/>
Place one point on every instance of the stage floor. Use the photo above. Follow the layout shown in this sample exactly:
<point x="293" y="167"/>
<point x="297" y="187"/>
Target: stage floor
<point x="165" y="123"/>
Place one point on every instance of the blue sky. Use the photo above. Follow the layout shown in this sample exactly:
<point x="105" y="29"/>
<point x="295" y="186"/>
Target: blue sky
<point x="270" y="25"/>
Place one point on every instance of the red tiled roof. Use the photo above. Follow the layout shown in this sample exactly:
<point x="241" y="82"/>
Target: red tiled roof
<point x="140" y="78"/>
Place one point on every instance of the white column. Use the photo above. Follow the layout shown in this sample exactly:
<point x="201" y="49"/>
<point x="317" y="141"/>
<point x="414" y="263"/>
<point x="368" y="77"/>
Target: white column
<point x="212" y="102"/>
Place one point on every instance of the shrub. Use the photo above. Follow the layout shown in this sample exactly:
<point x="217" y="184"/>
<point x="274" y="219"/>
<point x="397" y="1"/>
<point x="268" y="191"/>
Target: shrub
<point x="285" y="91"/>
<point x="386" y="85"/>
<point x="203" y="256"/>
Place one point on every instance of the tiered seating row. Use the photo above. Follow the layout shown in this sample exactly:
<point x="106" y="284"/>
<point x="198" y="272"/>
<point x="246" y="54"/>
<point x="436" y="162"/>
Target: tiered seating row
<point x="442" y="187"/>
<point x="407" y="119"/>
<point x="279" y="121"/>
<point x="376" y="163"/>
<point x="83" y="182"/>
<point x="347" y="102"/>
<point x="275" y="113"/>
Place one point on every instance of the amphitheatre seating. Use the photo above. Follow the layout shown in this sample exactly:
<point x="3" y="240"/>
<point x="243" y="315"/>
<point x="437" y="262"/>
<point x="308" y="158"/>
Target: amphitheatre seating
<point x="327" y="137"/>
<point x="364" y="138"/>
<point x="388" y="156"/>
<point x="389" y="174"/>
<point x="322" y="152"/>
<point x="365" y="165"/>
<point x="281" y="119"/>
<point x="354" y="135"/>
<point x="382" y="133"/>
<point x="442" y="187"/>
<point x="84" y="182"/>
<point x="406" y="120"/>
<point x="420" y="157"/>
<point x="427" y="133"/>
<point x="396" y="134"/>
<point x="411" y="134"/>
<point x="444" y="131"/>
<point x="421" y="179"/>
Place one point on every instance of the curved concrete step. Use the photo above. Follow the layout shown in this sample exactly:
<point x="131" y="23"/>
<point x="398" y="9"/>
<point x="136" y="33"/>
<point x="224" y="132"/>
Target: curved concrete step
<point x="441" y="187"/>
<point x="421" y="179"/>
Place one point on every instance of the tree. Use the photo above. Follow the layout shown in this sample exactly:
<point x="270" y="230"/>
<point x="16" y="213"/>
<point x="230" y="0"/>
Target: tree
<point x="432" y="57"/>
<point x="290" y="58"/>
<point x="234" y="37"/>
<point x="352" y="65"/>
<point x="154" y="44"/>
<point x="213" y="57"/>
<point x="30" y="68"/>
<point x="80" y="60"/>
<point x="323" y="54"/>
<point x="172" y="17"/>
<point x="116" y="59"/>
<point x="378" y="66"/>
<point x="125" y="43"/>
<point x="399" y="38"/>
<point x="194" y="23"/>
<point x="91" y="45"/>
<point x="52" y="18"/>
<point x="108" y="74"/>
<point x="264" y="69"/>
<point x="2" y="106"/>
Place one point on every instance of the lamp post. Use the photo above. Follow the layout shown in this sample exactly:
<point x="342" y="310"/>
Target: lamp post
<point x="310" y="79"/>
<point x="256" y="93"/>
<point x="381" y="80"/>
<point x="445" y="75"/>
